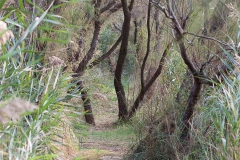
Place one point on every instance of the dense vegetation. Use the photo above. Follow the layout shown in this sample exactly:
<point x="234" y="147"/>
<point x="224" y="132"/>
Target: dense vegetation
<point x="169" y="68"/>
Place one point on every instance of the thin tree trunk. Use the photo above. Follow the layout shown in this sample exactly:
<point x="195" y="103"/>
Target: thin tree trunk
<point x="89" y="118"/>
<point x="148" y="44"/>
<point x="192" y="101"/>
<point x="195" y="91"/>
<point x="82" y="65"/>
<point x="122" y="103"/>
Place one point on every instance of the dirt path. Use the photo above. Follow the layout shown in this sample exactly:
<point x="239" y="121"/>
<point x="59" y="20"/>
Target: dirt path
<point x="109" y="149"/>
<point x="107" y="140"/>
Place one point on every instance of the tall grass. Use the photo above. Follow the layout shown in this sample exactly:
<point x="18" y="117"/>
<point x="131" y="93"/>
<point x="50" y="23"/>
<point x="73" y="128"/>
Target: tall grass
<point x="23" y="75"/>
<point x="221" y="111"/>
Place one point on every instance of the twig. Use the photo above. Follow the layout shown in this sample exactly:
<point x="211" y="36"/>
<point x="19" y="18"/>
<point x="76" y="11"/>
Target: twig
<point x="210" y="38"/>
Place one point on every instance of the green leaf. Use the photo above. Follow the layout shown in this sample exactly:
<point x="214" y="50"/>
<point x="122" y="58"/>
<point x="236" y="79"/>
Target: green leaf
<point x="30" y="2"/>
<point x="10" y="54"/>
<point x="14" y="23"/>
<point x="21" y="5"/>
<point x="30" y="29"/>
<point x="53" y="22"/>
<point x="2" y="3"/>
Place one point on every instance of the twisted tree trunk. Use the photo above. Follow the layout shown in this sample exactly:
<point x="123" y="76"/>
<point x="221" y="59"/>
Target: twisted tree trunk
<point x="122" y="103"/>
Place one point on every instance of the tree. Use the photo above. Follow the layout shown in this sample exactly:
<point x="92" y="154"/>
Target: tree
<point x="124" y="114"/>
<point x="179" y="18"/>
<point x="111" y="7"/>
<point x="122" y="103"/>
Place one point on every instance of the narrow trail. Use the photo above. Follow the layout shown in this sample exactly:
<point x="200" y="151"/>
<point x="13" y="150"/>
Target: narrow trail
<point x="112" y="150"/>
<point x="107" y="140"/>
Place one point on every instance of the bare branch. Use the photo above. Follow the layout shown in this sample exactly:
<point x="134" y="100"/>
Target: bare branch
<point x="176" y="22"/>
<point x="162" y="8"/>
<point x="104" y="56"/>
<point x="117" y="27"/>
<point x="169" y="14"/>
<point x="149" y="84"/>
<point x="107" y="7"/>
<point x="210" y="38"/>
<point x="148" y="44"/>
<point x="115" y="8"/>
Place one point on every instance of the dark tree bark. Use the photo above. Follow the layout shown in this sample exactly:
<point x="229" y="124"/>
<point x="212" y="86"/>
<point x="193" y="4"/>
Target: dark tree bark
<point x="148" y="44"/>
<point x="195" y="91"/>
<point x="122" y="103"/>
<point x="123" y="111"/>
<point x="111" y="7"/>
<point x="135" y="30"/>
<point x="115" y="8"/>
<point x="82" y="65"/>
<point x="97" y="22"/>
<point x="145" y="88"/>
<point x="192" y="101"/>
<point x="89" y="118"/>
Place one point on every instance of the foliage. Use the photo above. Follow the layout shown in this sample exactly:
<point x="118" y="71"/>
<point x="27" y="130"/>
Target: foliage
<point x="107" y="37"/>
<point x="23" y="74"/>
<point x="221" y="111"/>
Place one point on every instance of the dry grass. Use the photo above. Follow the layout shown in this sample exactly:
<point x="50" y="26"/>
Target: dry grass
<point x="5" y="34"/>
<point x="13" y="109"/>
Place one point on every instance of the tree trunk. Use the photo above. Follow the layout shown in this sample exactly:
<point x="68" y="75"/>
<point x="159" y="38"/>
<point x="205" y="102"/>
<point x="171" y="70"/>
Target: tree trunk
<point x="195" y="91"/>
<point x="82" y="65"/>
<point x="122" y="103"/>
<point x="192" y="101"/>
<point x="89" y="118"/>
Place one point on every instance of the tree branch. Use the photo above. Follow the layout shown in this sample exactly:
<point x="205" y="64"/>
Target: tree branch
<point x="104" y="56"/>
<point x="107" y="7"/>
<point x="82" y="65"/>
<point x="148" y="44"/>
<point x="149" y="84"/>
<point x="210" y="38"/>
<point x="162" y="8"/>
